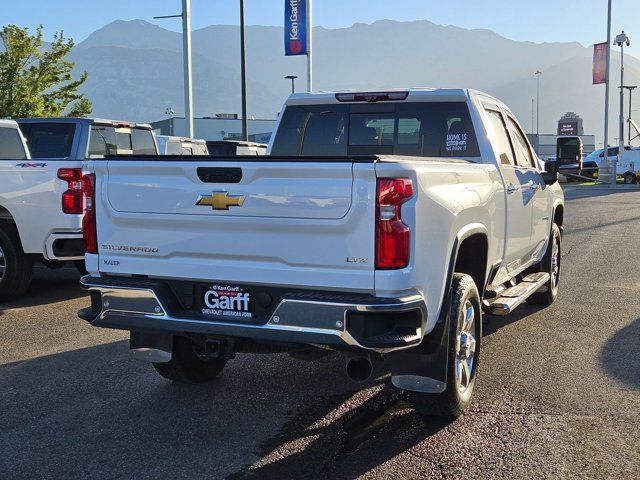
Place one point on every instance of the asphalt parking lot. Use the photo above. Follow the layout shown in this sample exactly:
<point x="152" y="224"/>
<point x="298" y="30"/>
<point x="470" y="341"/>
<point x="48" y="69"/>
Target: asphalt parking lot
<point x="558" y="394"/>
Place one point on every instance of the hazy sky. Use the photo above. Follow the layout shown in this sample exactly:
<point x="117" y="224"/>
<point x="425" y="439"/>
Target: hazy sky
<point x="539" y="21"/>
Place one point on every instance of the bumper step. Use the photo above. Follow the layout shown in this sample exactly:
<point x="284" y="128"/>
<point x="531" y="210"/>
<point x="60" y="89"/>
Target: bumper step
<point x="398" y="337"/>
<point x="513" y="297"/>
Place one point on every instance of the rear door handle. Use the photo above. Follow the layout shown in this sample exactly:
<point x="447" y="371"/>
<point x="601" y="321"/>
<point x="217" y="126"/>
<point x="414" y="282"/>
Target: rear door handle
<point x="511" y="189"/>
<point x="534" y="186"/>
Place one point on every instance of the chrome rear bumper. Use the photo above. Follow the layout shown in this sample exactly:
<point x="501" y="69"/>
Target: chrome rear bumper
<point x="315" y="318"/>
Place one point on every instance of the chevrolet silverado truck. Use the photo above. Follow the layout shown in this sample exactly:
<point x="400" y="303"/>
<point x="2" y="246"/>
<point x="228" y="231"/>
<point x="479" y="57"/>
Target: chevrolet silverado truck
<point x="41" y="201"/>
<point x="381" y="225"/>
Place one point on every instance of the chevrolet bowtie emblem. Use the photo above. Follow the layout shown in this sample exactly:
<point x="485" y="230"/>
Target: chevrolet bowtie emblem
<point x="221" y="200"/>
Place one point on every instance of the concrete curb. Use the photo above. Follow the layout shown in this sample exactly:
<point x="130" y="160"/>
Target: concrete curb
<point x="566" y="187"/>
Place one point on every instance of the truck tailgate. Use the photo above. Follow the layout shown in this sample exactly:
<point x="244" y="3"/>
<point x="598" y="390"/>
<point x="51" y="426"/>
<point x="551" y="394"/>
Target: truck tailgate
<point x="298" y="223"/>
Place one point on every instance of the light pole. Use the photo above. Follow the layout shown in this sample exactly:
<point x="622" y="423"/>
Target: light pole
<point x="631" y="88"/>
<point x="537" y="74"/>
<point x="293" y="82"/>
<point x="610" y="165"/>
<point x="243" y="74"/>
<point x="186" y="58"/>
<point x="533" y="101"/>
<point x="621" y="41"/>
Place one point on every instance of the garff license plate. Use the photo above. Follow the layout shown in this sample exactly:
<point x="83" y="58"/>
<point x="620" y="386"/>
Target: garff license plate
<point x="227" y="301"/>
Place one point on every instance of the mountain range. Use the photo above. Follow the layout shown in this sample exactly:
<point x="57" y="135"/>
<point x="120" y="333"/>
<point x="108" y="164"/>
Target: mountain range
<point x="135" y="69"/>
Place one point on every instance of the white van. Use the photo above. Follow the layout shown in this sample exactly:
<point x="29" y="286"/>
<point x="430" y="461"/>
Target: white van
<point x="629" y="165"/>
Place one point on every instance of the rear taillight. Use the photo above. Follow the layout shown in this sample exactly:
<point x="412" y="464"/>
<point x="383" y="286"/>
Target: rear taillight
<point x="72" y="197"/>
<point x="393" y="237"/>
<point x="89" y="235"/>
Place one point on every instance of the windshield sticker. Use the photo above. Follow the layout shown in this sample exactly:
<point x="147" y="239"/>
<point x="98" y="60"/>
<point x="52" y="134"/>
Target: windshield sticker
<point x="456" y="142"/>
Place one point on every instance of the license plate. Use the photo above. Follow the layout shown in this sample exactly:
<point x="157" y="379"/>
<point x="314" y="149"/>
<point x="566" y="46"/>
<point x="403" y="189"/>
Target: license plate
<point x="227" y="301"/>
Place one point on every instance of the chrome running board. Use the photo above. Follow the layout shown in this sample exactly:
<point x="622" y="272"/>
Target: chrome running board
<point x="514" y="296"/>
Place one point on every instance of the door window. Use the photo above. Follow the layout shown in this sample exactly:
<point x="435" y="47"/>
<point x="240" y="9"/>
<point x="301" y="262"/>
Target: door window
<point x="521" y="147"/>
<point x="49" y="140"/>
<point x="11" y="147"/>
<point x="499" y="138"/>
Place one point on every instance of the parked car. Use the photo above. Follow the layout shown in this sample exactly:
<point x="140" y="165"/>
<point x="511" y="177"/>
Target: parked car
<point x="41" y="201"/>
<point x="232" y="148"/>
<point x="15" y="265"/>
<point x="168" y="145"/>
<point x="382" y="229"/>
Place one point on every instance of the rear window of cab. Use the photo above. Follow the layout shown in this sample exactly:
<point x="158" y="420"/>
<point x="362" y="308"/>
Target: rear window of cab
<point x="425" y="129"/>
<point x="109" y="140"/>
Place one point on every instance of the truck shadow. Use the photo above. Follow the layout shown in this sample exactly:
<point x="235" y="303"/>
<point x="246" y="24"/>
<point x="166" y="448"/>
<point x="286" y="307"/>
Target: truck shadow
<point x="619" y="356"/>
<point x="100" y="414"/>
<point x="48" y="286"/>
<point x="335" y="438"/>
<point x="492" y="323"/>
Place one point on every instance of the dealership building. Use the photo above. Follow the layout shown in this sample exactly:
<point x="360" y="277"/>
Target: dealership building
<point x="570" y="124"/>
<point x="220" y="127"/>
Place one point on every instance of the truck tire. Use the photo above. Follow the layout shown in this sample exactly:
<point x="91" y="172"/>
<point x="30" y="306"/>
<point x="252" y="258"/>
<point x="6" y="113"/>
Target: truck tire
<point x="550" y="263"/>
<point x="16" y="267"/>
<point x="186" y="366"/>
<point x="81" y="267"/>
<point x="629" y="178"/>
<point x="463" y="356"/>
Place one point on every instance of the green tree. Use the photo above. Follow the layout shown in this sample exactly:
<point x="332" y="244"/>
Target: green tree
<point x="36" y="80"/>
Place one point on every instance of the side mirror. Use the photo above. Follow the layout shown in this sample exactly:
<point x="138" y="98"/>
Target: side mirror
<point x="550" y="174"/>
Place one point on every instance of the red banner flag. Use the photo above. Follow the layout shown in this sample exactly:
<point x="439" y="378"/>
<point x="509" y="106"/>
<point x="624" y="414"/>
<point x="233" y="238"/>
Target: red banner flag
<point x="600" y="63"/>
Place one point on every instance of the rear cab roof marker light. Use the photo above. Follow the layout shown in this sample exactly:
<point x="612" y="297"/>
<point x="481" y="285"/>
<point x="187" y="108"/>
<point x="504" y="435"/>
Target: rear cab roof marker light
<point x="371" y="97"/>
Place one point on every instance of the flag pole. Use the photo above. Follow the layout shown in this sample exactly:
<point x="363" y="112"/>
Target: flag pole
<point x="243" y="75"/>
<point x="188" y="76"/>
<point x="310" y="48"/>
<point x="610" y="165"/>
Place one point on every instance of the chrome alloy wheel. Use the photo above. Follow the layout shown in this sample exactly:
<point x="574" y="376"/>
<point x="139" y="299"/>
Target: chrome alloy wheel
<point x="465" y="347"/>
<point x="3" y="264"/>
<point x="555" y="262"/>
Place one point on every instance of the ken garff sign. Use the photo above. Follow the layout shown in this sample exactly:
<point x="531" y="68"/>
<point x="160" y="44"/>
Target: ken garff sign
<point x="296" y="25"/>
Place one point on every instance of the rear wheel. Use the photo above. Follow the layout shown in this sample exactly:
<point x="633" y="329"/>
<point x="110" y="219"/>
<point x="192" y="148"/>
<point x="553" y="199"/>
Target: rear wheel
<point x="16" y="267"/>
<point x="551" y="264"/>
<point x="463" y="356"/>
<point x="629" y="178"/>
<point x="187" y="364"/>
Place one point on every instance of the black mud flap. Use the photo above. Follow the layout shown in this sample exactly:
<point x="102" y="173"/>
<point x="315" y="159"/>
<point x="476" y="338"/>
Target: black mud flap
<point x="424" y="368"/>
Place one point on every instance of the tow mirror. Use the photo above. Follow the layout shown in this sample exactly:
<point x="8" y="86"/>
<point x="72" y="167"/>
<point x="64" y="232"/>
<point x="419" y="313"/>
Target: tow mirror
<point x="568" y="152"/>
<point x="550" y="174"/>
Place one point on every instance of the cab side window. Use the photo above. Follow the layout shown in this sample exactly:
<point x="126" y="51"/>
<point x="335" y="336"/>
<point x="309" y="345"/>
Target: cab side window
<point x="11" y="147"/>
<point x="499" y="138"/>
<point x="523" y="153"/>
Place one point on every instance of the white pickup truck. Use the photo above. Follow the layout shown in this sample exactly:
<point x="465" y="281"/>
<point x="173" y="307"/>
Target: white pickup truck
<point x="381" y="224"/>
<point x="41" y="201"/>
